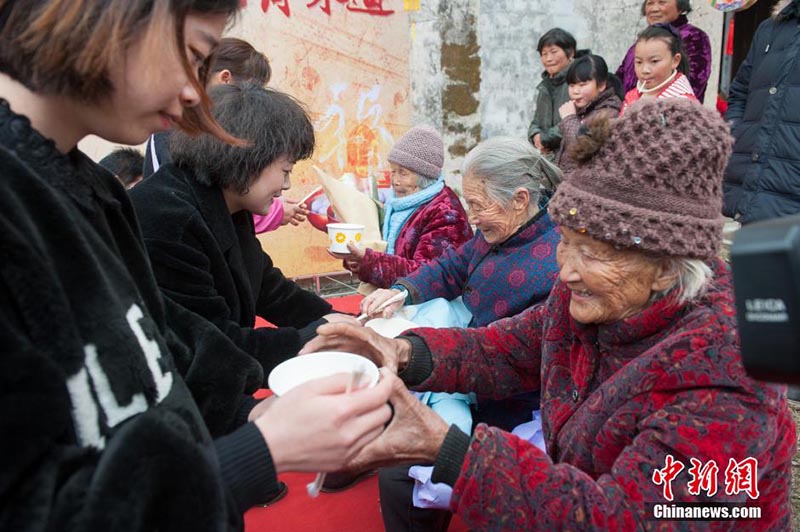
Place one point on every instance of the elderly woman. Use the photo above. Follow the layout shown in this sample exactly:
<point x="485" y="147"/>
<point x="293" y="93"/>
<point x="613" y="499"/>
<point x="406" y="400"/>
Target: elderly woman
<point x="510" y="263"/>
<point x="508" y="266"/>
<point x="644" y="396"/>
<point x="556" y="49"/>
<point x="695" y="41"/>
<point x="422" y="220"/>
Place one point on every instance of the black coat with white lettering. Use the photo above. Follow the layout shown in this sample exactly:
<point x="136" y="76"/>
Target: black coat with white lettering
<point x="99" y="430"/>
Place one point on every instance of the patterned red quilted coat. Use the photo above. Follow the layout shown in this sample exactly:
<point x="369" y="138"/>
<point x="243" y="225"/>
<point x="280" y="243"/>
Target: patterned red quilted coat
<point x="439" y="224"/>
<point x="616" y="400"/>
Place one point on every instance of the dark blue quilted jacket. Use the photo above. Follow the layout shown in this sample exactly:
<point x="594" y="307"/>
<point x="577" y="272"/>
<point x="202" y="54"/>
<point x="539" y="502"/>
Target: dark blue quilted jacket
<point x="763" y="177"/>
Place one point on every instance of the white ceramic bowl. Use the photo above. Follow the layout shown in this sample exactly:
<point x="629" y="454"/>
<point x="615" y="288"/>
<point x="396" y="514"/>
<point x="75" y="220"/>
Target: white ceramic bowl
<point x="301" y="369"/>
<point x="339" y="235"/>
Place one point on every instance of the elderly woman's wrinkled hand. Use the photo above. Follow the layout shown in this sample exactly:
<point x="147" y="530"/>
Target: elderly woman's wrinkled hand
<point x="318" y="427"/>
<point x="372" y="302"/>
<point x="384" y="352"/>
<point x="352" y="259"/>
<point x="414" y="435"/>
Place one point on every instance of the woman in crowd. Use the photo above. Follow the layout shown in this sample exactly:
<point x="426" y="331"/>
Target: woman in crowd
<point x="636" y="353"/>
<point x="556" y="49"/>
<point x="660" y="67"/>
<point x="196" y="217"/>
<point x="695" y="41"/>
<point x="592" y="92"/>
<point x="233" y="61"/>
<point x="508" y="266"/>
<point x="421" y="221"/>
<point x="99" y="429"/>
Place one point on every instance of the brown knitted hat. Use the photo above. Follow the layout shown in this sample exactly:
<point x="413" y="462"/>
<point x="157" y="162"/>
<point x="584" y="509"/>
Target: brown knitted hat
<point x="421" y="150"/>
<point x="651" y="180"/>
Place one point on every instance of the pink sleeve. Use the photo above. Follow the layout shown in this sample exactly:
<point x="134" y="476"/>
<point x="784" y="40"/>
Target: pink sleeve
<point x="271" y="220"/>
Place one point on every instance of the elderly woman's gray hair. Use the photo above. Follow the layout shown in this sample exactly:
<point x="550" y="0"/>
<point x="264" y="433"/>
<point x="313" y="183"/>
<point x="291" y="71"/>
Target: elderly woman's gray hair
<point x="692" y="279"/>
<point x="506" y="164"/>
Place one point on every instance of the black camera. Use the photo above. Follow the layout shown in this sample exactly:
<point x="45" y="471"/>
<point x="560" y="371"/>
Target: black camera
<point x="765" y="257"/>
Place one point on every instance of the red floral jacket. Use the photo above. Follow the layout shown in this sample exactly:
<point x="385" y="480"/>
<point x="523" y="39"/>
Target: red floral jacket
<point x="439" y="224"/>
<point x="616" y="401"/>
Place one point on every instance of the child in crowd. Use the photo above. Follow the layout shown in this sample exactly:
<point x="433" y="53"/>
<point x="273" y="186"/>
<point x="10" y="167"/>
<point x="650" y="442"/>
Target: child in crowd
<point x="196" y="218"/>
<point x="233" y="61"/>
<point x="661" y="66"/>
<point x="593" y="92"/>
<point x="126" y="164"/>
<point x="557" y="49"/>
<point x="100" y="430"/>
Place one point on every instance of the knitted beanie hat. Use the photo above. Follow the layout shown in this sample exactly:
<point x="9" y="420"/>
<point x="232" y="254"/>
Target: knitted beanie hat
<point x="651" y="180"/>
<point x="421" y="150"/>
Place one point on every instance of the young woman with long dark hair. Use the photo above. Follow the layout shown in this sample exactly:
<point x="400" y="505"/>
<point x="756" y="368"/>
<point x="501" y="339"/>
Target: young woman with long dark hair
<point x="100" y="430"/>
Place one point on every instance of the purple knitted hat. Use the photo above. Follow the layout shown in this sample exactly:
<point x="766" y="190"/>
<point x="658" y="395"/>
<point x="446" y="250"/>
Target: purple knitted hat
<point x="651" y="180"/>
<point x="421" y="150"/>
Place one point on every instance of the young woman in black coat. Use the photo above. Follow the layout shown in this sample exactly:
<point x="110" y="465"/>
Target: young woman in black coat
<point x="104" y="426"/>
<point x="196" y="217"/>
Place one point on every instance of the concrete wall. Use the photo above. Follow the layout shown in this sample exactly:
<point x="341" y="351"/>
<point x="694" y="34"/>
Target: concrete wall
<point x="505" y="65"/>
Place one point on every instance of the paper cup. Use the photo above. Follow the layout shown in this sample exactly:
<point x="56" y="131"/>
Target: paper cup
<point x="305" y="368"/>
<point x="340" y="235"/>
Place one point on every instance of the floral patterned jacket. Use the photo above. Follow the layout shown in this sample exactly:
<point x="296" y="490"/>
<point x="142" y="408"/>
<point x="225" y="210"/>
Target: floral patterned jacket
<point x="436" y="226"/>
<point x="496" y="281"/>
<point x="617" y="401"/>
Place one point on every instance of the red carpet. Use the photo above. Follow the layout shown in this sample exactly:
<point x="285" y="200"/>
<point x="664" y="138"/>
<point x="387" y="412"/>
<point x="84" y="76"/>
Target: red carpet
<point x="356" y="509"/>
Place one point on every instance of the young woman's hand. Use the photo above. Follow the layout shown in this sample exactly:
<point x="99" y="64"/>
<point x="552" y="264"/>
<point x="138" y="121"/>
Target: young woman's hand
<point x="567" y="109"/>
<point x="261" y="407"/>
<point x="317" y="427"/>
<point x="390" y="353"/>
<point x="371" y="303"/>
<point x="294" y="212"/>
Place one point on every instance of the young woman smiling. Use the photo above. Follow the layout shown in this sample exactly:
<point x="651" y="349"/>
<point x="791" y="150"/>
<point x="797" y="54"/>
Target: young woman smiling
<point x="100" y="429"/>
<point x="661" y="67"/>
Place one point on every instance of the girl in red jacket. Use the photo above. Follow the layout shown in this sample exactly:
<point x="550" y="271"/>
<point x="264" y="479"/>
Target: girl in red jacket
<point x="661" y="67"/>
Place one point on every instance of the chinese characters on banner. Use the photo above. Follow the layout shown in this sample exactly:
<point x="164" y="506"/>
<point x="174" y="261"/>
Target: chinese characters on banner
<point x="370" y="7"/>
<point x="740" y="477"/>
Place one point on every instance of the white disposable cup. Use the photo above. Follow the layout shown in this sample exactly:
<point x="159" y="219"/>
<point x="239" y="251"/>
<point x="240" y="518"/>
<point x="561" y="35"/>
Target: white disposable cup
<point x="339" y="235"/>
<point x="305" y="368"/>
